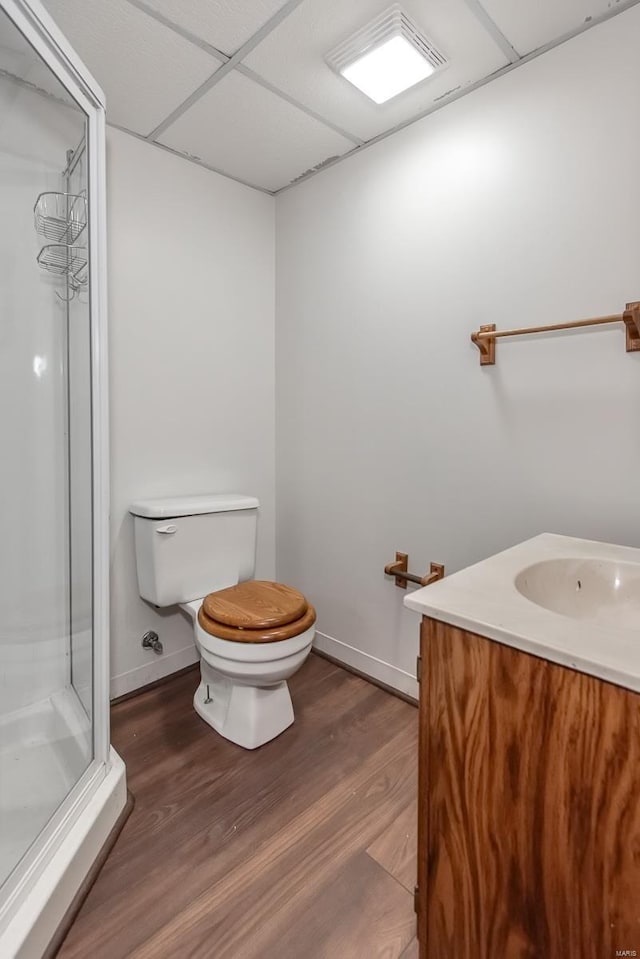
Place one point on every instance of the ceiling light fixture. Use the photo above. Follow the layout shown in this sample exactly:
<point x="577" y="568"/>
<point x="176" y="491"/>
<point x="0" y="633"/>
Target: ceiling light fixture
<point x="387" y="56"/>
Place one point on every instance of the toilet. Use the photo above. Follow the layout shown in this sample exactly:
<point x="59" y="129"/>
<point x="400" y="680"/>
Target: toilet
<point x="198" y="553"/>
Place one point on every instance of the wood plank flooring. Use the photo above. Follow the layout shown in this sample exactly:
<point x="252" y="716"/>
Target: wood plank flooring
<point x="302" y="849"/>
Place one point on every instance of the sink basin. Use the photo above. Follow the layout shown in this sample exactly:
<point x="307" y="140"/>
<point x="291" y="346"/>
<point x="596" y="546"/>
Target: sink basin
<point x="600" y="590"/>
<point x="570" y="601"/>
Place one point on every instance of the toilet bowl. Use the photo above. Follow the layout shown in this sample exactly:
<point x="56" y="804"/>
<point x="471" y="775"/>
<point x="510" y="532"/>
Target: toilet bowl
<point x="198" y="553"/>
<point x="243" y="692"/>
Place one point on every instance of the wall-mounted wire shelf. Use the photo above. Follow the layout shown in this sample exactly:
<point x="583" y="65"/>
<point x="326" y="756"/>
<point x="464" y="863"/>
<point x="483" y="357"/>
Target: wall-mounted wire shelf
<point x="64" y="260"/>
<point x="60" y="217"/>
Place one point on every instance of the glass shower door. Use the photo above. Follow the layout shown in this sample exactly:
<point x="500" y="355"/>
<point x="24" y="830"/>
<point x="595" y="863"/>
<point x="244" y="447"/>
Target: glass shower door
<point x="79" y="440"/>
<point x="46" y="600"/>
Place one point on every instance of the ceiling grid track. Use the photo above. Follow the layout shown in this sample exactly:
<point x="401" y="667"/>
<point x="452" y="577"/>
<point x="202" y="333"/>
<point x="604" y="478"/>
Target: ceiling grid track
<point x="234" y="62"/>
<point x="248" y="72"/>
<point x="25" y="84"/>
<point x="240" y="67"/>
<point x="230" y="62"/>
<point x="480" y="13"/>
<point x="237" y="57"/>
<point x="469" y="89"/>
<point x="192" y="159"/>
<point x="181" y="31"/>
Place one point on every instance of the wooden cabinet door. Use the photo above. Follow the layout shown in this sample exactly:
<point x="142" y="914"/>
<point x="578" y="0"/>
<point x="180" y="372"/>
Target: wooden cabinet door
<point x="529" y="827"/>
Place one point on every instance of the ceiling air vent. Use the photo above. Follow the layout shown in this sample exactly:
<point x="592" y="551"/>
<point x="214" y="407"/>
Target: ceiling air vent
<point x="387" y="56"/>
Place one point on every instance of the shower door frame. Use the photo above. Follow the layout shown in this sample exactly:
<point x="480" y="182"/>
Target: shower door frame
<point x="33" y="21"/>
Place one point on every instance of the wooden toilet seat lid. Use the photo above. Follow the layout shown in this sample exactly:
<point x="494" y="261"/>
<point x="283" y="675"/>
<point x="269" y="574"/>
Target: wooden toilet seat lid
<point x="256" y="611"/>
<point x="255" y="604"/>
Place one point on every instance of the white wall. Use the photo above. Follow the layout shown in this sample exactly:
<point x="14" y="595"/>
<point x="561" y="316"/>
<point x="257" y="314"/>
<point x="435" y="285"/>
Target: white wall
<point x="191" y="328"/>
<point x="515" y="205"/>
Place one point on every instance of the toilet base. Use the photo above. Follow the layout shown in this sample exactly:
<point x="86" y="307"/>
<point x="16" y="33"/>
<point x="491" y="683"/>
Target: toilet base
<point x="246" y="715"/>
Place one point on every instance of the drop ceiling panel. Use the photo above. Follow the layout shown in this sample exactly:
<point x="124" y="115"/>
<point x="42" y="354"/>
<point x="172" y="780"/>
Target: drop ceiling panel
<point x="226" y="24"/>
<point x="532" y="25"/>
<point x="292" y="58"/>
<point x="243" y="129"/>
<point x="145" y="69"/>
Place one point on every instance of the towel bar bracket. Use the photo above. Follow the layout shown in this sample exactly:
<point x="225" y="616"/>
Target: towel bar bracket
<point x="631" y="318"/>
<point x="487" y="345"/>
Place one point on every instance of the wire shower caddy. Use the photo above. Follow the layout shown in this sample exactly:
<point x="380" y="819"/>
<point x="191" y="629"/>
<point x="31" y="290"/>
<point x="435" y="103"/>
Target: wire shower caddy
<point x="61" y="218"/>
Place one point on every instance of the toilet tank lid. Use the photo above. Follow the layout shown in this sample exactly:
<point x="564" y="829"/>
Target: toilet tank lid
<point x="172" y="506"/>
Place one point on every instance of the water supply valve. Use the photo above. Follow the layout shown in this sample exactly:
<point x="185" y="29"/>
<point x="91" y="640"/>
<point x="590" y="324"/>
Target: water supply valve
<point x="151" y="640"/>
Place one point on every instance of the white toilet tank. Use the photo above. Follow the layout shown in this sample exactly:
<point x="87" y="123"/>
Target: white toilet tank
<point x="188" y="546"/>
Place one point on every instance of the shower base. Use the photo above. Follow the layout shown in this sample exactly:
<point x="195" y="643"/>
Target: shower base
<point x="38" y="909"/>
<point x="44" y="749"/>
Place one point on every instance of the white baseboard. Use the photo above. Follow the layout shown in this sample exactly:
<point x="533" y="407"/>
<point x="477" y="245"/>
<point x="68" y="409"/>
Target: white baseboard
<point x="160" y="667"/>
<point x="367" y="665"/>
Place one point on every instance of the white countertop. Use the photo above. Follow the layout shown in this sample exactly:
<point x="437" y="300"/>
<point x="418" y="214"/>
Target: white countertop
<point x="484" y="599"/>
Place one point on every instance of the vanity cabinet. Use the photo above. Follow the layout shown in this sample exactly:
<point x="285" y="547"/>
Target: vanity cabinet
<point x="529" y="805"/>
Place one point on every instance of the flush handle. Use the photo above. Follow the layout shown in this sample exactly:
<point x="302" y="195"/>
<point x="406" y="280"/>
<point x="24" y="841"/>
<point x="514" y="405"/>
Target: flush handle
<point x="167" y="530"/>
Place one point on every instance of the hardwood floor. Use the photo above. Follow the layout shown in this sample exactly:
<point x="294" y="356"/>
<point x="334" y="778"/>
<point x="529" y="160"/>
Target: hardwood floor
<point x="303" y="849"/>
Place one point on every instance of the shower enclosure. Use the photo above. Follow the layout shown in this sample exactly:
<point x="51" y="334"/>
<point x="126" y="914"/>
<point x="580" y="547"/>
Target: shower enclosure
<point x="61" y="787"/>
